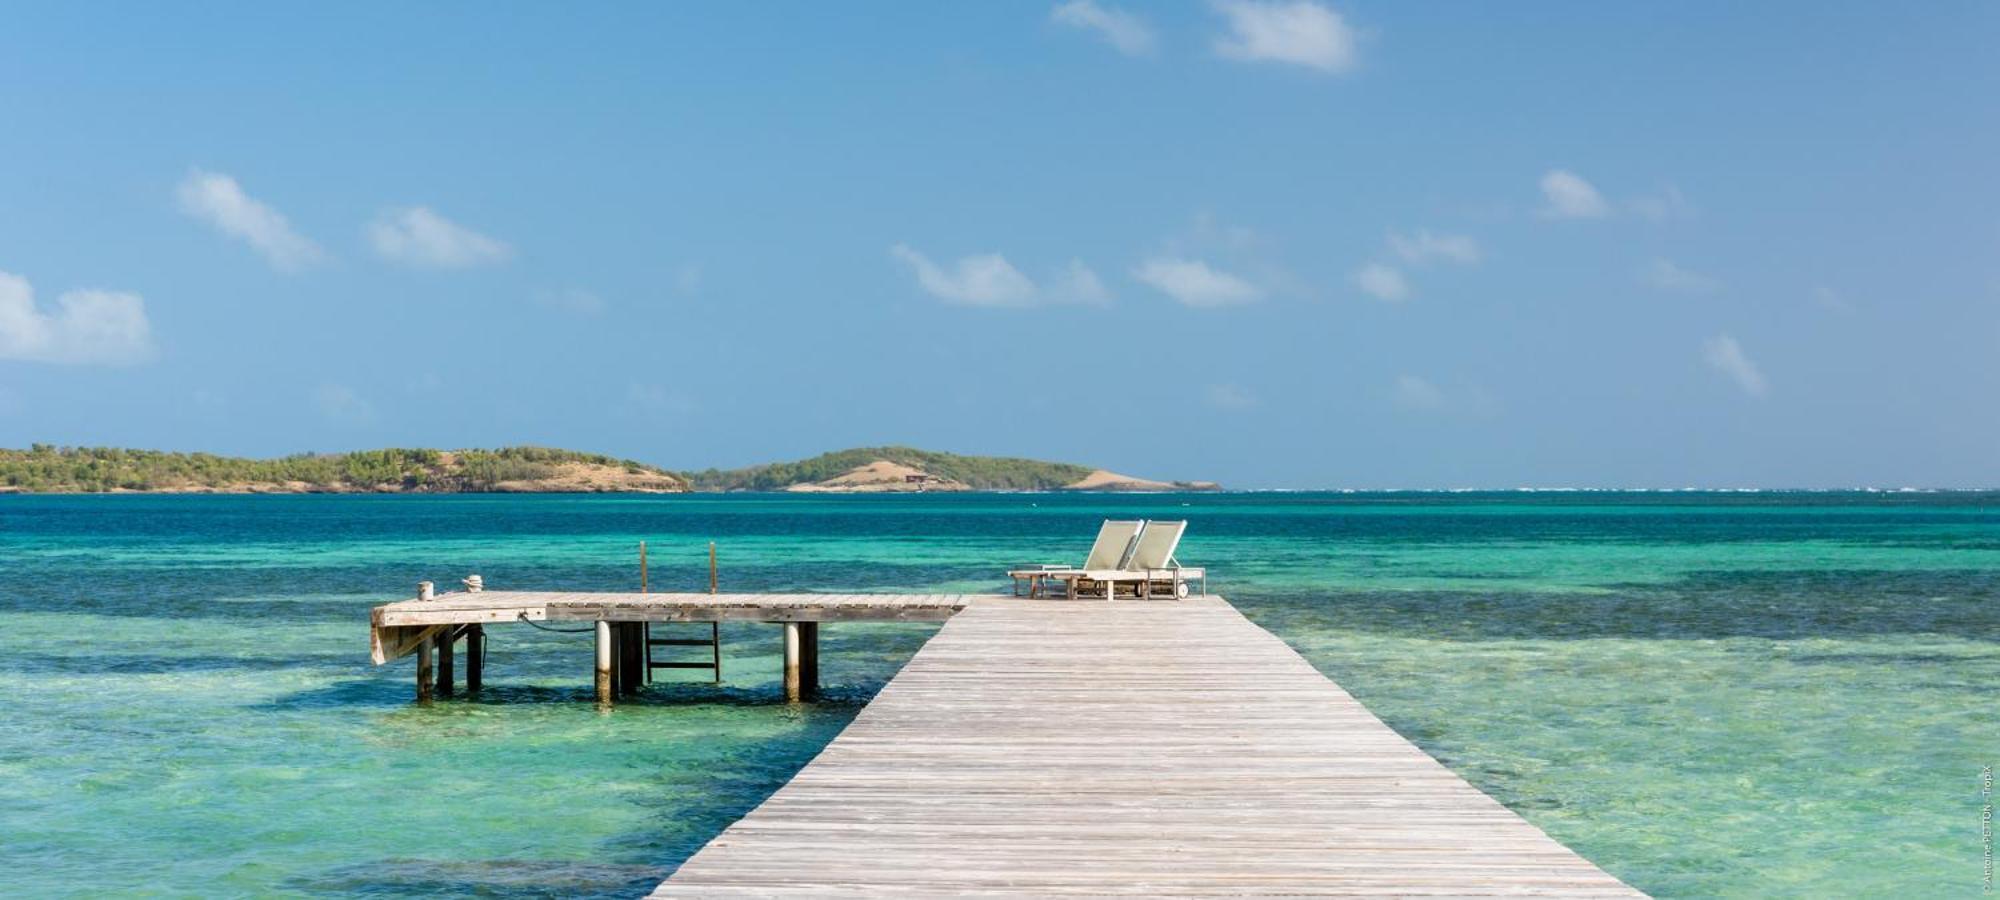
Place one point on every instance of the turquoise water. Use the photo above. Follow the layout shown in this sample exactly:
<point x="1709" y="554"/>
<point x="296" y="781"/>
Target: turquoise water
<point x="1741" y="694"/>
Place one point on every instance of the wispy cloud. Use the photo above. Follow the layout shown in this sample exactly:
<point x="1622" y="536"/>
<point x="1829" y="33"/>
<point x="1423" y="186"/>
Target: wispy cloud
<point x="418" y="236"/>
<point x="1416" y="394"/>
<point x="1195" y="283"/>
<point x="1725" y="355"/>
<point x="1295" y="32"/>
<point x="339" y="404"/>
<point x="87" y="327"/>
<point x="1665" y="204"/>
<point x="1666" y="276"/>
<point x="217" y="199"/>
<point x="1423" y="247"/>
<point x="988" y="279"/>
<point x="1567" y="196"/>
<point x="1229" y="397"/>
<point x="1078" y="284"/>
<point x="1123" y="30"/>
<point x="1382" y="282"/>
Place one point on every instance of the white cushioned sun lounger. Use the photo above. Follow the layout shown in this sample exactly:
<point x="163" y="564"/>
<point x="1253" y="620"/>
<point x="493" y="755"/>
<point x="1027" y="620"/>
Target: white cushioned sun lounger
<point x="1150" y="567"/>
<point x="1112" y="549"/>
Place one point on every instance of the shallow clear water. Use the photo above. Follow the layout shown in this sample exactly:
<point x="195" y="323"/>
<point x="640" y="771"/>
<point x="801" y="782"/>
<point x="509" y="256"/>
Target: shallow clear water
<point x="1703" y="693"/>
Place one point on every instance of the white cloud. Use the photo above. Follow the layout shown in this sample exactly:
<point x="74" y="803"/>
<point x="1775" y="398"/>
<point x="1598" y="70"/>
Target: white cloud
<point x="1724" y="355"/>
<point x="1382" y="282"/>
<point x="1424" y="247"/>
<point x="1123" y="30"/>
<point x="988" y="279"/>
<point x="572" y="300"/>
<point x="1235" y="250"/>
<point x="340" y="405"/>
<point x="217" y="199"/>
<point x="86" y="327"/>
<point x="981" y="280"/>
<point x="1666" y="276"/>
<point x="417" y="236"/>
<point x="1297" y="32"/>
<point x="1414" y="393"/>
<point x="1194" y="283"/>
<point x="1078" y="284"/>
<point x="1667" y="203"/>
<point x="1229" y="396"/>
<point x="1568" y="196"/>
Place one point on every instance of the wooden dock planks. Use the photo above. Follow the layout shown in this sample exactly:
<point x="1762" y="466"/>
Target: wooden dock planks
<point x="1038" y="747"/>
<point x="398" y="629"/>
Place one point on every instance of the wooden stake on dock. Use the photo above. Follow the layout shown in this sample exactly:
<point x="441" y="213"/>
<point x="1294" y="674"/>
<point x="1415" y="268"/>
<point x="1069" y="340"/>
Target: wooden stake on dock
<point x="425" y="592"/>
<point x="645" y="629"/>
<point x="711" y="567"/>
<point x="603" y="663"/>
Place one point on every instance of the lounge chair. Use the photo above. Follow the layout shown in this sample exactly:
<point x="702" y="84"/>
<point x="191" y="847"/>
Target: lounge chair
<point x="1150" y="568"/>
<point x="1111" y="550"/>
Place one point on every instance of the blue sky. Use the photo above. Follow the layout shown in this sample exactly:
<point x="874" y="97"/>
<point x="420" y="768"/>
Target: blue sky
<point x="1276" y="244"/>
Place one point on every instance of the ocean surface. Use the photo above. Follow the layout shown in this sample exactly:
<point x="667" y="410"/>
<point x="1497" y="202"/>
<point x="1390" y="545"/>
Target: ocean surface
<point x="1704" y="693"/>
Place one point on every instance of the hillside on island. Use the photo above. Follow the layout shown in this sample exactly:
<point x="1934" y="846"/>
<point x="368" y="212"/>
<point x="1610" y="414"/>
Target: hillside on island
<point x="44" y="468"/>
<point x="899" y="469"/>
<point x="47" y="469"/>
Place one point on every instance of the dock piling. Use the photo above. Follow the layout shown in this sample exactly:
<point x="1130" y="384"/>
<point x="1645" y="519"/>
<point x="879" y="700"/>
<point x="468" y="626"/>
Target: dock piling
<point x="809" y="659"/>
<point x="424" y="672"/>
<point x="475" y="656"/>
<point x="604" y="697"/>
<point x="793" y="690"/>
<point x="445" y="675"/>
<point x="631" y="657"/>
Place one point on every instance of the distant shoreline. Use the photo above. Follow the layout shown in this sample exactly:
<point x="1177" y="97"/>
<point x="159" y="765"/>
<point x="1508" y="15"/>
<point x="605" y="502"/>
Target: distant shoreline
<point x="6" y="491"/>
<point x="49" y="469"/>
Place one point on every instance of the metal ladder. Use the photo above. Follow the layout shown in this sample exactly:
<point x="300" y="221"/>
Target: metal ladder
<point x="713" y="642"/>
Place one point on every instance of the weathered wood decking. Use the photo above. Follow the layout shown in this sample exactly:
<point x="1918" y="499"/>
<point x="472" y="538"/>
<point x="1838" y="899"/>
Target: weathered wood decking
<point x="397" y="629"/>
<point x="579" y="606"/>
<point x="1170" y="748"/>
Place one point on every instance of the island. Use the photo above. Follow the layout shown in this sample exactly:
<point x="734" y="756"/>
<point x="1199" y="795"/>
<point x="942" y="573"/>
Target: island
<point x="46" y="468"/>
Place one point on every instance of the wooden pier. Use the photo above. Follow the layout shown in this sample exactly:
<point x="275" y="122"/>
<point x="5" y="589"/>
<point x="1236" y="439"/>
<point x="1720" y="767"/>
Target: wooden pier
<point x="1052" y="747"/>
<point x="1041" y="747"/>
